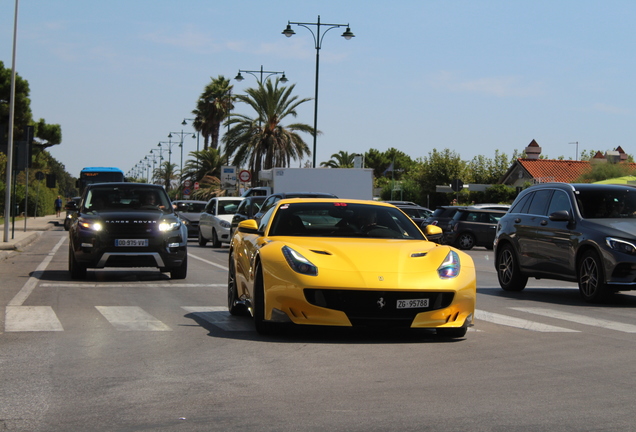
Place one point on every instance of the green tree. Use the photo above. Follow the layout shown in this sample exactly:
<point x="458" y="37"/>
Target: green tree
<point x="342" y="159"/>
<point x="604" y="171"/>
<point x="22" y="106"/>
<point x="213" y="107"/>
<point x="439" y="168"/>
<point x="262" y="142"/>
<point x="202" y="163"/>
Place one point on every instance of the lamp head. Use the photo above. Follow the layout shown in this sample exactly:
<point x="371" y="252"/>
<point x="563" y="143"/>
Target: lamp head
<point x="239" y="77"/>
<point x="283" y="79"/>
<point x="288" y="31"/>
<point x="348" y="34"/>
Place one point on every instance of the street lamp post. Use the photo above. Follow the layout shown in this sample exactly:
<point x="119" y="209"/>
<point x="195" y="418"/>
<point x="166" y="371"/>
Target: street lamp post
<point x="240" y="78"/>
<point x="181" y="134"/>
<point x="318" y="42"/>
<point x="184" y="123"/>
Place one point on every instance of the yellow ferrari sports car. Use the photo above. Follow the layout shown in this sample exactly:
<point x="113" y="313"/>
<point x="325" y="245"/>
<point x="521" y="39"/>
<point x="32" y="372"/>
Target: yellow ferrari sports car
<point x="336" y="262"/>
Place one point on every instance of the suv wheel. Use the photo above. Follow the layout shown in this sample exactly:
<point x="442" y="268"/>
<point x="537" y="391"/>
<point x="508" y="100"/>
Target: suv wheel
<point x="180" y="272"/>
<point x="77" y="270"/>
<point x="465" y="241"/>
<point x="508" y="273"/>
<point x="590" y="276"/>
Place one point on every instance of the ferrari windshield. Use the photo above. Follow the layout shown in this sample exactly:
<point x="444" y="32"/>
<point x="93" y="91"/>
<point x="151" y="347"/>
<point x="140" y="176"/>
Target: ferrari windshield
<point x="342" y="219"/>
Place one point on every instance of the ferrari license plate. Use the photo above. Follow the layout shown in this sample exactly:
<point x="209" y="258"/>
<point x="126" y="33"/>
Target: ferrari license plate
<point x="131" y="242"/>
<point x="415" y="303"/>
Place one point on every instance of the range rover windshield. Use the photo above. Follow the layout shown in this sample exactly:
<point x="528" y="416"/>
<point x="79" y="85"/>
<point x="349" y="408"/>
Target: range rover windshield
<point x="123" y="198"/>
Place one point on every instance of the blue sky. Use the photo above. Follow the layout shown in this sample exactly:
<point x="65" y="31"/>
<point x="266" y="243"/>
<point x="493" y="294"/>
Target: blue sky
<point x="472" y="76"/>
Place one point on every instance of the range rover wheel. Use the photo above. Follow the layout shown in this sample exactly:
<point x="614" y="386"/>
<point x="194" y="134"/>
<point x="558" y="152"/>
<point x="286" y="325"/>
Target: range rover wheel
<point x="591" y="280"/>
<point x="508" y="273"/>
<point x="77" y="270"/>
<point x="465" y="241"/>
<point x="216" y="243"/>
<point x="180" y="272"/>
<point x="202" y="240"/>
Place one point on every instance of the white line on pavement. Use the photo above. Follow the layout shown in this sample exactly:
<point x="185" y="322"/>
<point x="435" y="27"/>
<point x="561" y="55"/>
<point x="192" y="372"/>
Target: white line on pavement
<point x="580" y="319"/>
<point x="509" y="321"/>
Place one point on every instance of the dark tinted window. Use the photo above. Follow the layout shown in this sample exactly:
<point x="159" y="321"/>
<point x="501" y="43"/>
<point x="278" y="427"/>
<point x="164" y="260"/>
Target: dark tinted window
<point x="539" y="204"/>
<point x="521" y="206"/>
<point x="559" y="201"/>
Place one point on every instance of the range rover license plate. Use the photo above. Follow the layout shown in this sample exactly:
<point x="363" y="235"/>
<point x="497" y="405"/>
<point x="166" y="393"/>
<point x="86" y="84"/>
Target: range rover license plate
<point x="415" y="303"/>
<point x="131" y="242"/>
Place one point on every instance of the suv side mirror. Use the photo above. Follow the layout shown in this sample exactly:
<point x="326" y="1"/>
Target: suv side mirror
<point x="560" y="216"/>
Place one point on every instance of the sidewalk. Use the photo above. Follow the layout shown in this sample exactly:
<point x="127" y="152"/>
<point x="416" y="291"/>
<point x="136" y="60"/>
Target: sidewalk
<point x="19" y="238"/>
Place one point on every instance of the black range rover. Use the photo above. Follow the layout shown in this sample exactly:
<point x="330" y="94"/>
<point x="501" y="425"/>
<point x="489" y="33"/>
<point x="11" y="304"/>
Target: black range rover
<point x="127" y="225"/>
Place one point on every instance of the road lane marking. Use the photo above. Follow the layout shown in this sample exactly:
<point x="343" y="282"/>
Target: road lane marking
<point x="31" y="318"/>
<point x="221" y="317"/>
<point x="32" y="282"/>
<point x="509" y="321"/>
<point x="579" y="319"/>
<point x="131" y="318"/>
<point x="208" y="262"/>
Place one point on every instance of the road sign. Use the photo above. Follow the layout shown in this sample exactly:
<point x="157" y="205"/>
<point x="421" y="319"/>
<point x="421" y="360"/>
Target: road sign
<point x="457" y="185"/>
<point x="187" y="183"/>
<point x="245" y="176"/>
<point x="186" y="191"/>
<point x="196" y="185"/>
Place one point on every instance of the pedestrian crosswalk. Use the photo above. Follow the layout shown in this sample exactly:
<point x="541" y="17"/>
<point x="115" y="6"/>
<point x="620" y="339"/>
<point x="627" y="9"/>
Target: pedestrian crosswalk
<point x="134" y="318"/>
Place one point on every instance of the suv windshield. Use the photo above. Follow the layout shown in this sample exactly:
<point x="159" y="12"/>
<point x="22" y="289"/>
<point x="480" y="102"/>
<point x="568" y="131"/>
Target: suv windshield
<point x="117" y="198"/>
<point x="601" y="203"/>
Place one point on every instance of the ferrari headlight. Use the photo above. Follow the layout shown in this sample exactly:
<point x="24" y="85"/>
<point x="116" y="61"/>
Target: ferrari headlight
<point x="450" y="267"/>
<point x="621" y="245"/>
<point x="90" y="225"/>
<point x="299" y="263"/>
<point x="169" y="226"/>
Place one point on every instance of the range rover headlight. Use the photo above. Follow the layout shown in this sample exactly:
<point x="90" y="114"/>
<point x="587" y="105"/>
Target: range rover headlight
<point x="90" y="224"/>
<point x="169" y="226"/>
<point x="621" y="245"/>
<point x="450" y="267"/>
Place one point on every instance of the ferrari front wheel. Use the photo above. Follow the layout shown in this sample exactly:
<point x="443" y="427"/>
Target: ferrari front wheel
<point x="232" y="294"/>
<point x="262" y="327"/>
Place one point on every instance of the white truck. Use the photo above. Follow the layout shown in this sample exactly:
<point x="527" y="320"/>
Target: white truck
<point x="354" y="183"/>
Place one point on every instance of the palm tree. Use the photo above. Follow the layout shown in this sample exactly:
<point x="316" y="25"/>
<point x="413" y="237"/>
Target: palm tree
<point x="342" y="159"/>
<point x="167" y="173"/>
<point x="263" y="142"/>
<point x="213" y="107"/>
<point x="202" y="163"/>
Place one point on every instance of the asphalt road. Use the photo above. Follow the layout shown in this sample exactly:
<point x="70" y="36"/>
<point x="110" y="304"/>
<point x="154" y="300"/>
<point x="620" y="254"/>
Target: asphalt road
<point x="136" y="351"/>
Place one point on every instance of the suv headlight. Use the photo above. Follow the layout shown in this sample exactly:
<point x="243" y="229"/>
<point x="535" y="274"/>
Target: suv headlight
<point x="90" y="224"/>
<point x="169" y="226"/>
<point x="621" y="245"/>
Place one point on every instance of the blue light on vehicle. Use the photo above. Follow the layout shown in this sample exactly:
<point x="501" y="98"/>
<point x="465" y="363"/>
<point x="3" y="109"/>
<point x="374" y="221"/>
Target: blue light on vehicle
<point x="620" y="245"/>
<point x="299" y="263"/>
<point x="450" y="267"/>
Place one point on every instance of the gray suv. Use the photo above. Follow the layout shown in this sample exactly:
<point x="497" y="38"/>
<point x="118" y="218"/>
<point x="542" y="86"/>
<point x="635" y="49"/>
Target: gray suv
<point x="584" y="233"/>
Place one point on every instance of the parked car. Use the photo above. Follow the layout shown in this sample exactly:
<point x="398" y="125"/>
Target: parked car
<point x="340" y="262"/>
<point x="472" y="227"/>
<point x="127" y="225"/>
<point x="416" y="212"/>
<point x="246" y="210"/>
<point x="583" y="233"/>
<point x="216" y="219"/>
<point x="275" y="197"/>
<point x="190" y="211"/>
<point x="444" y="214"/>
<point x="71" y="208"/>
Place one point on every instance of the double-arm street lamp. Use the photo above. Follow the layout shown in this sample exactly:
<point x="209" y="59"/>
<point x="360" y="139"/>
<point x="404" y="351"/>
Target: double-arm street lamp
<point x="318" y="42"/>
<point x="181" y="134"/>
<point x="240" y="78"/>
<point x="185" y="123"/>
